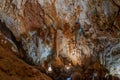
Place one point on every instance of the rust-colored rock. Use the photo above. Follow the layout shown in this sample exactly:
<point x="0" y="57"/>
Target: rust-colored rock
<point x="34" y="16"/>
<point x="81" y="31"/>
<point x="13" y="68"/>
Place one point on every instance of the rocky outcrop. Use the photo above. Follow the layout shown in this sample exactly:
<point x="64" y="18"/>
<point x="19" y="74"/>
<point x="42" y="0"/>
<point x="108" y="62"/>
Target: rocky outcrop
<point x="13" y="68"/>
<point x="74" y="29"/>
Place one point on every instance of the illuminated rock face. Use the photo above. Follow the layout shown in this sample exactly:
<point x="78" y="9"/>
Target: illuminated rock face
<point x="75" y="29"/>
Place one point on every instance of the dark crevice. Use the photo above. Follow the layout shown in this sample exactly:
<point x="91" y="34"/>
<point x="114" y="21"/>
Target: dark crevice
<point x="116" y="4"/>
<point x="8" y="34"/>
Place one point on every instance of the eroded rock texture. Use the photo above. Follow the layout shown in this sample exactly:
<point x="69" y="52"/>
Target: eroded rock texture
<point x="73" y="29"/>
<point x="13" y="68"/>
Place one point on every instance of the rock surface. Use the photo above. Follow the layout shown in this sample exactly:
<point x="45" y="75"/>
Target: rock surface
<point x="79" y="30"/>
<point x="13" y="68"/>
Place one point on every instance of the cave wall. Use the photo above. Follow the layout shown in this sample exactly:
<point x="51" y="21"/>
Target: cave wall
<point x="76" y="29"/>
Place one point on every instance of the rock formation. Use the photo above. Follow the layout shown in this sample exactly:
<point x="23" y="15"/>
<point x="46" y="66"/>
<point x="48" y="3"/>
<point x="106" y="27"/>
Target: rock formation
<point x="62" y="32"/>
<point x="13" y="68"/>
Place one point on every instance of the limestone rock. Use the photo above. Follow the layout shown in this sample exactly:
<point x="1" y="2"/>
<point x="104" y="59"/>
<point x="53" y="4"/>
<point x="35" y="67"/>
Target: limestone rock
<point x="72" y="29"/>
<point x="12" y="67"/>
